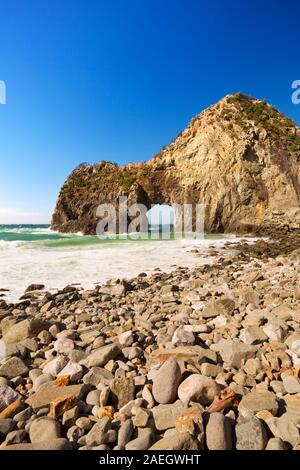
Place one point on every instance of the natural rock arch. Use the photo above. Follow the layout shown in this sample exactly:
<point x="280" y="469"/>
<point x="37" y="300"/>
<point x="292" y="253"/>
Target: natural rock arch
<point x="239" y="158"/>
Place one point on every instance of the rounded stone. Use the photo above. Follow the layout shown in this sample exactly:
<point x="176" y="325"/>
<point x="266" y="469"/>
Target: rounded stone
<point x="40" y="380"/>
<point x="275" y="443"/>
<point x="44" y="429"/>
<point x="54" y="366"/>
<point x="84" y="423"/>
<point x="93" y="397"/>
<point x="166" y="382"/>
<point x="3" y="381"/>
<point x="34" y="374"/>
<point x="126" y="338"/>
<point x="256" y="401"/>
<point x="64" y="345"/>
<point x="291" y="384"/>
<point x="218" y="432"/>
<point x="51" y="444"/>
<point x="72" y="369"/>
<point x="251" y="435"/>
<point x="54" y="330"/>
<point x="198" y="388"/>
<point x="182" y="337"/>
<point x="6" y="425"/>
<point x="125" y="433"/>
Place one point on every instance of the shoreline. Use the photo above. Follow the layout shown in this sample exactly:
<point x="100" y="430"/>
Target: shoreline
<point x="199" y="358"/>
<point x="77" y="262"/>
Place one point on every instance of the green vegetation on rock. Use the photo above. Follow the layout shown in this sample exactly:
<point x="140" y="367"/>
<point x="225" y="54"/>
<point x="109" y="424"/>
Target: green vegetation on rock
<point x="275" y="123"/>
<point x="125" y="180"/>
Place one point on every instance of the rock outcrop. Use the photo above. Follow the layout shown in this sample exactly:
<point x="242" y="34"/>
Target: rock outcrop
<point x="240" y="158"/>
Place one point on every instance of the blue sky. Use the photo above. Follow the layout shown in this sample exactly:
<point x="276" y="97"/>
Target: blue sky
<point x="92" y="80"/>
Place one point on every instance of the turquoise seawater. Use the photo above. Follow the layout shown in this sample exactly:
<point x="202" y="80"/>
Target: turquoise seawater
<point x="45" y="236"/>
<point x="10" y="233"/>
<point x="31" y="254"/>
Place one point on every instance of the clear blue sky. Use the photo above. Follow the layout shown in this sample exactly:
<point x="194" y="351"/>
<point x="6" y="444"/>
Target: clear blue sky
<point x="89" y="80"/>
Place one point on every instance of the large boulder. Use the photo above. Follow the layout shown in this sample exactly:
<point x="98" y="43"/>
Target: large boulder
<point x="49" y="444"/>
<point x="198" y="388"/>
<point x="165" y="415"/>
<point x="219" y="432"/>
<point x="251" y="435"/>
<point x="234" y="352"/>
<point x="7" y="396"/>
<point x="24" y="329"/>
<point x="101" y="356"/>
<point x="177" y="441"/>
<point x="256" y="401"/>
<point x="166" y="381"/>
<point x="50" y="392"/>
<point x="12" y="367"/>
<point x="43" y="429"/>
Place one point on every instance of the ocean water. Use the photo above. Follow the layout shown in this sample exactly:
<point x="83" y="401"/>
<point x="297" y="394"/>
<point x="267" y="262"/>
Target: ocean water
<point x="36" y="254"/>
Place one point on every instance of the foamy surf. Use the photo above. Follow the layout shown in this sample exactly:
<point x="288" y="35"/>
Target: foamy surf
<point x="76" y="259"/>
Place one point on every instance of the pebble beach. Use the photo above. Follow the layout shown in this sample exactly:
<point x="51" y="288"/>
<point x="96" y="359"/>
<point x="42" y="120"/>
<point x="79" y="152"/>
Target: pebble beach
<point x="199" y="358"/>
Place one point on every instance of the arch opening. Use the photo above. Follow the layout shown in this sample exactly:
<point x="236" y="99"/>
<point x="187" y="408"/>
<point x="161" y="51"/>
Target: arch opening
<point x="161" y="219"/>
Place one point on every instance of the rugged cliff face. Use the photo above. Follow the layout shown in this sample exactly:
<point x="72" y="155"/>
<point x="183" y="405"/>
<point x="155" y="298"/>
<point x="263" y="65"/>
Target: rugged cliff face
<point x="240" y="158"/>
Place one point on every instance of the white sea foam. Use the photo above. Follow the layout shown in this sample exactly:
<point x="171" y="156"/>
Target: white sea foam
<point x="20" y="229"/>
<point x="23" y="263"/>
